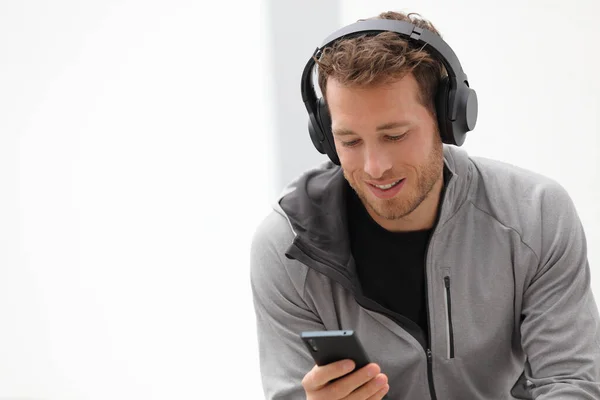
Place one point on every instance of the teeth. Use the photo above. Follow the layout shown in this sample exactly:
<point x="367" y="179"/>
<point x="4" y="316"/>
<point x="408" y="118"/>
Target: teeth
<point x="385" y="187"/>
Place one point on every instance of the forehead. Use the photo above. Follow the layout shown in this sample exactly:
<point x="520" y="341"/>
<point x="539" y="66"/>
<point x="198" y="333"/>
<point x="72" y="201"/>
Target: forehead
<point x="394" y="100"/>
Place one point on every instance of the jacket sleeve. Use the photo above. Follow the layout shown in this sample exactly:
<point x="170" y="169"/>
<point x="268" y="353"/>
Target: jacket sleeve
<point x="281" y="312"/>
<point x="560" y="323"/>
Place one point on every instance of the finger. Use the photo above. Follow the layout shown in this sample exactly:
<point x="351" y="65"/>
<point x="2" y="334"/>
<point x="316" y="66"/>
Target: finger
<point x="379" y="395"/>
<point x="369" y="389"/>
<point x="348" y="384"/>
<point x="320" y="376"/>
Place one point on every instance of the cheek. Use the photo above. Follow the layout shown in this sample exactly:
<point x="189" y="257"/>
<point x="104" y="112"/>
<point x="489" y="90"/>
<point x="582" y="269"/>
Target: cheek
<point x="350" y="160"/>
<point x="415" y="153"/>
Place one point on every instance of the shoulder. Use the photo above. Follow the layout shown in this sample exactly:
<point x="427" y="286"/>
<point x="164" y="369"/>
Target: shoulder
<point x="530" y="203"/>
<point x="270" y="269"/>
<point x="502" y="184"/>
<point x="271" y="239"/>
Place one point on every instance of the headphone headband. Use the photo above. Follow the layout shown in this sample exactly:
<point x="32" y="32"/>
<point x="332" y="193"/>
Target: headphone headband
<point x="430" y="40"/>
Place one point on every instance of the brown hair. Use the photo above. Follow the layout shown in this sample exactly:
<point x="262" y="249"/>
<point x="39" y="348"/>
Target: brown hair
<point x="369" y="60"/>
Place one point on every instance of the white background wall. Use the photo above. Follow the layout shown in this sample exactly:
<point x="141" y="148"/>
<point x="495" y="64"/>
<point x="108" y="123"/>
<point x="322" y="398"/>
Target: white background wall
<point x="136" y="160"/>
<point x="133" y="168"/>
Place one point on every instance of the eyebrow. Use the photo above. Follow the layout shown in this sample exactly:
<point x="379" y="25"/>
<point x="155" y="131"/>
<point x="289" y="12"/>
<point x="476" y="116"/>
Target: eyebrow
<point x="389" y="125"/>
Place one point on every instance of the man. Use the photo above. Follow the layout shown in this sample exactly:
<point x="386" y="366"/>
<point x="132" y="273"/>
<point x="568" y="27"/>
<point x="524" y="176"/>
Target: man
<point x="463" y="277"/>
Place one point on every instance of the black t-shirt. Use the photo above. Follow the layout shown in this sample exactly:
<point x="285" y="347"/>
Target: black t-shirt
<point x="390" y="265"/>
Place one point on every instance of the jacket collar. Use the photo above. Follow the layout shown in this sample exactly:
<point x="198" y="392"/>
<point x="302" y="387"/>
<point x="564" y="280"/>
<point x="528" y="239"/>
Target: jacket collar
<point x="315" y="207"/>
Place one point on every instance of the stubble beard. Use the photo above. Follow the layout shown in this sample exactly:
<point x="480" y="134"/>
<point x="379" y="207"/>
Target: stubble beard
<point x="410" y="197"/>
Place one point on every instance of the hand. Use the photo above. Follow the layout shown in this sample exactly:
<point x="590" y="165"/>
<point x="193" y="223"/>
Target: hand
<point x="365" y="384"/>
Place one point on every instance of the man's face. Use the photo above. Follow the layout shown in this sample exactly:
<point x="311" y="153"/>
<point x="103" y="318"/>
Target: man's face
<point x="385" y="136"/>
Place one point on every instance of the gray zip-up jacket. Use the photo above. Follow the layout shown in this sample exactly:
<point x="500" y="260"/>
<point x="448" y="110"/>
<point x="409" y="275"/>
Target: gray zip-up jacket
<point x="511" y="312"/>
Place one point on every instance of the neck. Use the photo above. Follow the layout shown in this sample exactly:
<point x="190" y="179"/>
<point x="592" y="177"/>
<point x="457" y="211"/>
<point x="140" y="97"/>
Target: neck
<point x="421" y="218"/>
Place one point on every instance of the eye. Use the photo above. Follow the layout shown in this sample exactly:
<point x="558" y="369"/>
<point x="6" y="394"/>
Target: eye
<point x="397" y="137"/>
<point x="351" y="143"/>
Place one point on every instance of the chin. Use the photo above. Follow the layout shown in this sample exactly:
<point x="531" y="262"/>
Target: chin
<point x="390" y="209"/>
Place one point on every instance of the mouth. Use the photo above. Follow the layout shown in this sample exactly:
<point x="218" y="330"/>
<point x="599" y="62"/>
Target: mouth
<point x="389" y="185"/>
<point x="388" y="190"/>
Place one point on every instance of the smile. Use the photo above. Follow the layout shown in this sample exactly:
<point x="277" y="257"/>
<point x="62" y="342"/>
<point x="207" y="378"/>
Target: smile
<point x="387" y="191"/>
<point x="388" y="186"/>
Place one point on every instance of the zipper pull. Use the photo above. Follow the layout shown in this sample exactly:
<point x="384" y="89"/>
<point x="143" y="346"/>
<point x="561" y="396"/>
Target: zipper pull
<point x="447" y="282"/>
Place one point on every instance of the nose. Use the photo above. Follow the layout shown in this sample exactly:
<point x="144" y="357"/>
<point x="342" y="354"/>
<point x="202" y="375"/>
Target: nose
<point x="377" y="162"/>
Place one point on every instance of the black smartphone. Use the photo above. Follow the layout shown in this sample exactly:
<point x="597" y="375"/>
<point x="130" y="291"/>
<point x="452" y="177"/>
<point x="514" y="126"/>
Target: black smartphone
<point x="326" y="347"/>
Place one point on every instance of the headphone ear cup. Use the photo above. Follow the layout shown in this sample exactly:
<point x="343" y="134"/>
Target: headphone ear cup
<point x="466" y="117"/>
<point x="441" y="109"/>
<point x="316" y="135"/>
<point x="465" y="99"/>
<point x="328" y="143"/>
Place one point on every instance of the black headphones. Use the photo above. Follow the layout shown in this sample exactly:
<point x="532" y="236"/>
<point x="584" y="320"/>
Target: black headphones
<point x="456" y="102"/>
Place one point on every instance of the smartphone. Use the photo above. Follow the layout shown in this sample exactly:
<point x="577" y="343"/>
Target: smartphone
<point x="327" y="347"/>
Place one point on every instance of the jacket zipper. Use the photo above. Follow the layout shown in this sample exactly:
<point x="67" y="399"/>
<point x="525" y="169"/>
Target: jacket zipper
<point x="449" y="320"/>
<point x="428" y="350"/>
